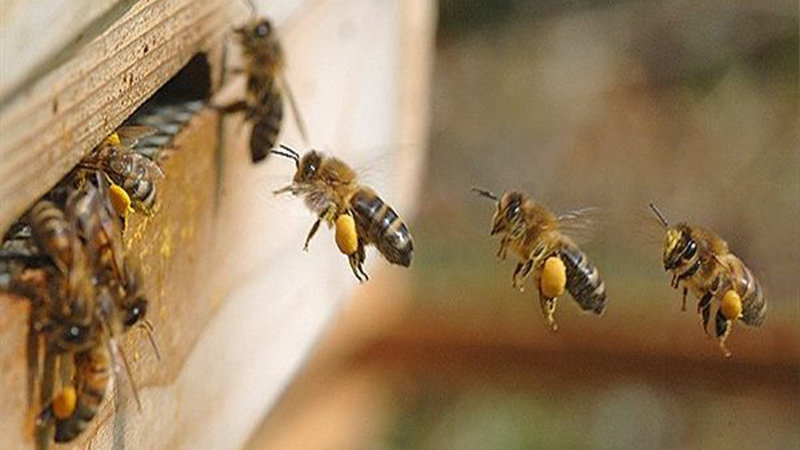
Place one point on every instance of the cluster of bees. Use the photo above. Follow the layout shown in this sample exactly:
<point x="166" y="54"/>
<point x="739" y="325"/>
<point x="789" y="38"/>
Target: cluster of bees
<point x="67" y="256"/>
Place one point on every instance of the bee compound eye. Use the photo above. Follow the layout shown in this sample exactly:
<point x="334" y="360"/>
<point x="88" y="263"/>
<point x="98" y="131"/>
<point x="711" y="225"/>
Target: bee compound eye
<point x="691" y="249"/>
<point x="74" y="333"/>
<point x="263" y="29"/>
<point x="136" y="312"/>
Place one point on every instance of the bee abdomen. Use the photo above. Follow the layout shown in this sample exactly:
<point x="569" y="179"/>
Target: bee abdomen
<point x="583" y="280"/>
<point x="754" y="308"/>
<point x="52" y="233"/>
<point x="268" y="116"/>
<point x="94" y="367"/>
<point x="381" y="226"/>
<point x="141" y="190"/>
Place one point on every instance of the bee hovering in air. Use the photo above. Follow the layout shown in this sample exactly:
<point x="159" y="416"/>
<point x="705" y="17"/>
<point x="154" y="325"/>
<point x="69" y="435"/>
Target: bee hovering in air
<point x="537" y="237"/>
<point x="132" y="175"/>
<point x="331" y="190"/>
<point x="700" y="261"/>
<point x="266" y="85"/>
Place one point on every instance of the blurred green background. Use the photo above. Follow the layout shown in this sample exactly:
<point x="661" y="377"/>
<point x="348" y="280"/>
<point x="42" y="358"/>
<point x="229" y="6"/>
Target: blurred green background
<point x="585" y="103"/>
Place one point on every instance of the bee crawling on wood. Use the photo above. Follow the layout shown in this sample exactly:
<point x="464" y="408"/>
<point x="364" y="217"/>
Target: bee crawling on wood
<point x="331" y="190"/>
<point x="266" y="85"/>
<point x="132" y="175"/>
<point x="700" y="261"/>
<point x="537" y="237"/>
<point x="84" y="294"/>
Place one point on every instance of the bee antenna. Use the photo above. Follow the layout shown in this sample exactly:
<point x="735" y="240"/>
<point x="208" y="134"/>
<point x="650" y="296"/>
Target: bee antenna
<point x="290" y="155"/>
<point x="149" y="329"/>
<point x="485" y="193"/>
<point x="658" y="214"/>
<point x="290" y="150"/>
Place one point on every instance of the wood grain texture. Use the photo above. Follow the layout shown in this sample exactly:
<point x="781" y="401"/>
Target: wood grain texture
<point x="47" y="128"/>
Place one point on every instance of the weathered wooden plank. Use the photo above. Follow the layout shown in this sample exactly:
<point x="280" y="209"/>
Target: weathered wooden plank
<point x="47" y="129"/>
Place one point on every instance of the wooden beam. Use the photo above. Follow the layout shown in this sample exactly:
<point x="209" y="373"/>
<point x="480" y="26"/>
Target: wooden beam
<point x="48" y="127"/>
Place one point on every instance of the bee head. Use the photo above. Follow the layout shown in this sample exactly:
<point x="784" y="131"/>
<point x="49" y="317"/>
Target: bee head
<point x="258" y="29"/>
<point x="509" y="211"/>
<point x="678" y="245"/>
<point x="308" y="167"/>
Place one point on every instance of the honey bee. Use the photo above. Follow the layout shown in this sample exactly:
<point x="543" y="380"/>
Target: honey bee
<point x="91" y="210"/>
<point x="133" y="172"/>
<point x="331" y="190"/>
<point x="64" y="296"/>
<point x="536" y="236"/>
<point x="700" y="261"/>
<point x="266" y="85"/>
<point x="76" y="405"/>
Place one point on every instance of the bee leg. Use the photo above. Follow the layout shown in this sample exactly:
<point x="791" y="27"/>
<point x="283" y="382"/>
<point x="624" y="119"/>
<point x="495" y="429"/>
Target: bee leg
<point x="706" y="317"/>
<point x="548" y="311"/>
<point x="44" y="425"/>
<point x="683" y="301"/>
<point x="34" y="346"/>
<point x="234" y="107"/>
<point x="502" y="251"/>
<point x="357" y="263"/>
<point x="526" y="270"/>
<point x="311" y="233"/>
<point x="515" y="275"/>
<point x="705" y="301"/>
<point x="723" y="328"/>
<point x="285" y="189"/>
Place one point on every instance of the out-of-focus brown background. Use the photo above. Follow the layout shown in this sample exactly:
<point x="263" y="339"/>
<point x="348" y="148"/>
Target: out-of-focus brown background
<point x="692" y="105"/>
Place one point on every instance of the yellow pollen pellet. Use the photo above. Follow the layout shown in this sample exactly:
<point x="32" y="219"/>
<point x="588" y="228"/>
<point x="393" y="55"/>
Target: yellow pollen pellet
<point x="121" y="201"/>
<point x="113" y="139"/>
<point x="554" y="277"/>
<point x="346" y="236"/>
<point x="731" y="305"/>
<point x="64" y="403"/>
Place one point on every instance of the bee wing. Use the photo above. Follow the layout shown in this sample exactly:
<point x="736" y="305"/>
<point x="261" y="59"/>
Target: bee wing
<point x="582" y="225"/>
<point x="301" y="127"/>
<point x="133" y="159"/>
<point x="129" y="135"/>
<point x="152" y="167"/>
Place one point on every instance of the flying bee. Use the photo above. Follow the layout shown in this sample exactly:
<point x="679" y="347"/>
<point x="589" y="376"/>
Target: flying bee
<point x="133" y="172"/>
<point x="700" y="261"/>
<point x="266" y="85"/>
<point x="536" y="236"/>
<point x="331" y="190"/>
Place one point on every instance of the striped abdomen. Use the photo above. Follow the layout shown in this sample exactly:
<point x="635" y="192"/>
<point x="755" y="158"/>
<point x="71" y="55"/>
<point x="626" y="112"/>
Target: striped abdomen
<point x="131" y="171"/>
<point x="266" y="113"/>
<point x="378" y="224"/>
<point x="93" y="373"/>
<point x="52" y="233"/>
<point x="754" y="308"/>
<point x="583" y="280"/>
